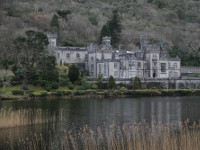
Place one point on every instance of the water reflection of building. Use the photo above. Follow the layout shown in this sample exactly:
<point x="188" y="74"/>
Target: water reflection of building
<point x="120" y="111"/>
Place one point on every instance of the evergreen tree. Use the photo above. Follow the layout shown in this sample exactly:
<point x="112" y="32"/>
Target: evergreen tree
<point x="105" y="31"/>
<point x="111" y="82"/>
<point x="100" y="81"/>
<point x="73" y="73"/>
<point x="54" y="21"/>
<point x="115" y="28"/>
<point x="47" y="69"/>
<point x="63" y="13"/>
<point x="137" y="83"/>
<point x="27" y="53"/>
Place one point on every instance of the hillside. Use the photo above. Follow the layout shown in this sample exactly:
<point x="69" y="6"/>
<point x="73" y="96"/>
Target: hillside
<point x="172" y="22"/>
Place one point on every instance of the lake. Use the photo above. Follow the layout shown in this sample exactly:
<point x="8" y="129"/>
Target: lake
<point x="75" y="113"/>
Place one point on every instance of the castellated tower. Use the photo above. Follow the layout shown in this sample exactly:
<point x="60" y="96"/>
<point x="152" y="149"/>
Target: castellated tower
<point x="143" y="42"/>
<point x="52" y="39"/>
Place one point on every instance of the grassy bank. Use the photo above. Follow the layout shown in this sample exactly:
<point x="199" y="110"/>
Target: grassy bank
<point x="37" y="93"/>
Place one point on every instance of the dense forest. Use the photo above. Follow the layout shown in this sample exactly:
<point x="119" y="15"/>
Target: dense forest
<point x="174" y="23"/>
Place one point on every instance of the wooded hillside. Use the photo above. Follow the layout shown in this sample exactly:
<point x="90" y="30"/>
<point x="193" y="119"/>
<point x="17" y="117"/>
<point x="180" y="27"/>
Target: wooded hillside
<point x="175" y="23"/>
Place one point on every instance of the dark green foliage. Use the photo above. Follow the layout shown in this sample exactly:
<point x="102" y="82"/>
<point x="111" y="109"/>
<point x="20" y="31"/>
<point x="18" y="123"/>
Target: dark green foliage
<point x="111" y="82"/>
<point x="54" y="85"/>
<point x="43" y="94"/>
<point x="1" y="83"/>
<point x="27" y="52"/>
<point x="137" y="83"/>
<point x="54" y="21"/>
<point x="150" y="1"/>
<point x="16" y="80"/>
<point x="85" y="85"/>
<point x="48" y="86"/>
<point x="73" y="73"/>
<point x="100" y="81"/>
<point x="72" y="43"/>
<point x="47" y="69"/>
<point x="63" y="13"/>
<point x="18" y="92"/>
<point x="70" y="86"/>
<point x="105" y="31"/>
<point x="93" y="20"/>
<point x="12" y="12"/>
<point x="160" y="3"/>
<point x="40" y="10"/>
<point x="51" y="85"/>
<point x="115" y="28"/>
<point x="188" y="58"/>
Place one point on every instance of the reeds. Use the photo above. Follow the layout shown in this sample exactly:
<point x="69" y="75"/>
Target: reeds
<point x="13" y="118"/>
<point x="138" y="136"/>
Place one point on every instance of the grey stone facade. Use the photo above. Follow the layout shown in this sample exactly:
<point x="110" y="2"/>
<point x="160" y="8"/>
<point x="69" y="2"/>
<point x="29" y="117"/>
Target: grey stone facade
<point x="151" y="61"/>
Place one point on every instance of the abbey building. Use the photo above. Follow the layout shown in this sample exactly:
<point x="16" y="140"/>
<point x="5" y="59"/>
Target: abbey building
<point x="151" y="61"/>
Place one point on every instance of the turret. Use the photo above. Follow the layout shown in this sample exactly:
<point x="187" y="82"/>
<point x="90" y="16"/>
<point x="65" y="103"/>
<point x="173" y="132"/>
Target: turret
<point x="143" y="42"/>
<point x="52" y="39"/>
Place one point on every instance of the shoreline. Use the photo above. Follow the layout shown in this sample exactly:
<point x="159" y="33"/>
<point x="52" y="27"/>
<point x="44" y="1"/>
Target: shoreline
<point x="73" y="94"/>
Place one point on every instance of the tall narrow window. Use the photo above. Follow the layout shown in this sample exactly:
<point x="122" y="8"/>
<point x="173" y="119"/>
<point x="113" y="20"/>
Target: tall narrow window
<point x="115" y="65"/>
<point x="77" y="55"/>
<point x="139" y="64"/>
<point x="100" y="69"/>
<point x="163" y="67"/>
<point x="175" y="65"/>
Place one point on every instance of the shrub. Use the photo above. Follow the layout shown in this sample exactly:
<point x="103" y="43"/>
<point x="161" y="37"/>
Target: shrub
<point x="48" y="87"/>
<point x="35" y="82"/>
<point x="1" y="84"/>
<point x="42" y="83"/>
<point x="64" y="82"/>
<point x="93" y="20"/>
<point x="185" y="92"/>
<point x="111" y="82"/>
<point x="100" y="81"/>
<point x="122" y="89"/>
<point x="18" y="92"/>
<point x="78" y="92"/>
<point x="85" y="85"/>
<point x="94" y="86"/>
<point x="16" y="80"/>
<point x="67" y="92"/>
<point x="73" y="73"/>
<point x="137" y="83"/>
<point x="57" y="93"/>
<point x="54" y="85"/>
<point x="31" y="94"/>
<point x="70" y="86"/>
<point x="13" y="12"/>
<point x="43" y="94"/>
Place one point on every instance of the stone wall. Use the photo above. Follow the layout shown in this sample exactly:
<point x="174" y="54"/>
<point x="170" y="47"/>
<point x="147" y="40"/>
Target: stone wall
<point x="151" y="83"/>
<point x="185" y="69"/>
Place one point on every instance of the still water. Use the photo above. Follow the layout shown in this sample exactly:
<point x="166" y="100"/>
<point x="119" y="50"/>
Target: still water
<point x="102" y="112"/>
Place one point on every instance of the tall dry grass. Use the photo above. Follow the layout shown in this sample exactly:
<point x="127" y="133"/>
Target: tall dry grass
<point x="138" y="136"/>
<point x="12" y="118"/>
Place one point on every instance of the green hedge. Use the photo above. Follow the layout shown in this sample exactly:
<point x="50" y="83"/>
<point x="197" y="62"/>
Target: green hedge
<point x="18" y="92"/>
